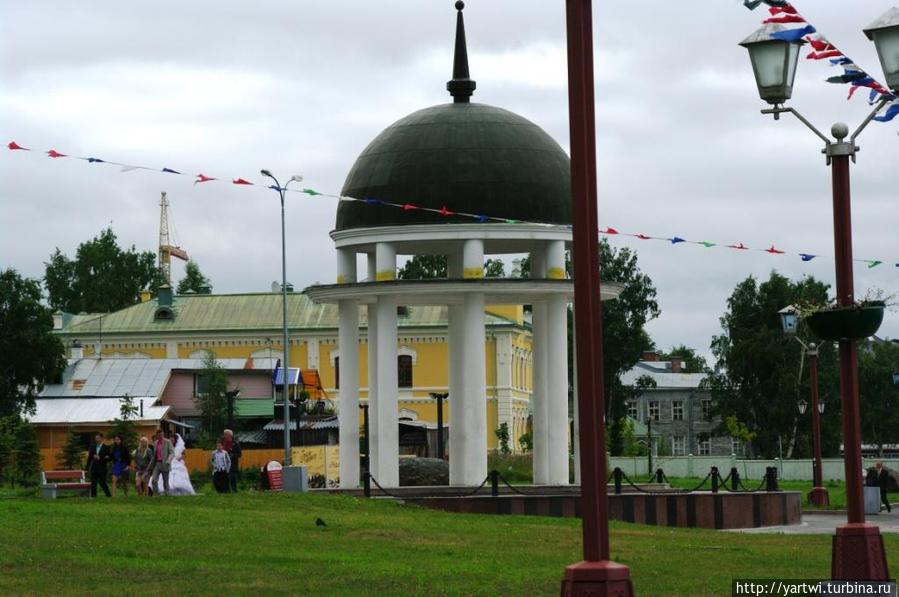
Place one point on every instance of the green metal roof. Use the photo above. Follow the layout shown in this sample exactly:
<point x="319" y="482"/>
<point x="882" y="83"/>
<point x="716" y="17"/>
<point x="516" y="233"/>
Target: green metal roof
<point x="239" y="312"/>
<point x="254" y="407"/>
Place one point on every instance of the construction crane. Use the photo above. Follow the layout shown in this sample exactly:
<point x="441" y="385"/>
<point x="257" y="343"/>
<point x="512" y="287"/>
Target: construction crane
<point x="166" y="249"/>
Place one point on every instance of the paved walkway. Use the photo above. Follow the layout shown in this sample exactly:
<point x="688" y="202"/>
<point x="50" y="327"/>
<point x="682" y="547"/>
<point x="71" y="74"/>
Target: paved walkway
<point x="826" y="524"/>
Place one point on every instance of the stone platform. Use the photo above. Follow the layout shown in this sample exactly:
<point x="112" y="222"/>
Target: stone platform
<point x="704" y="509"/>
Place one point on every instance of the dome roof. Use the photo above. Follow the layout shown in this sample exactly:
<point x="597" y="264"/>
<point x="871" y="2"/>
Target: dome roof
<point x="468" y="157"/>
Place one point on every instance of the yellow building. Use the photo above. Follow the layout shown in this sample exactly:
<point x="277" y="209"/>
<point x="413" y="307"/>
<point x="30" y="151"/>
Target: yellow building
<point x="245" y="326"/>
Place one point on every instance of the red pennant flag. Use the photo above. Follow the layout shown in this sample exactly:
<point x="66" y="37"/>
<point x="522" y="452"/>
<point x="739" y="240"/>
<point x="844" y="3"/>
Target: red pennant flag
<point x="239" y="181"/>
<point x="740" y="247"/>
<point x="55" y="154"/>
<point x="409" y="207"/>
<point x="610" y="231"/>
<point x="13" y="145"/>
<point x="643" y="237"/>
<point x="203" y="178"/>
<point x="445" y="212"/>
<point x="774" y="251"/>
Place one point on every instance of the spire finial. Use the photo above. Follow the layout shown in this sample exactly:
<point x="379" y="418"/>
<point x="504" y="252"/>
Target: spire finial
<point x="461" y="87"/>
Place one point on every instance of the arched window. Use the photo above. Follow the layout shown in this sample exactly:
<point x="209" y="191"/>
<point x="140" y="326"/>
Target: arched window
<point x="404" y="371"/>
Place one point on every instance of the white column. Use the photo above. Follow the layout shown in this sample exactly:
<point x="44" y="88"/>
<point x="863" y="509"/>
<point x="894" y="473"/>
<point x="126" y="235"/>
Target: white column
<point x="312" y="353"/>
<point x="474" y="368"/>
<point x="557" y="369"/>
<point x="539" y="347"/>
<point x="346" y="266"/>
<point x="557" y="390"/>
<point x="348" y="413"/>
<point x="372" y="337"/>
<point x="457" y="427"/>
<point x="505" y="362"/>
<point x="386" y="418"/>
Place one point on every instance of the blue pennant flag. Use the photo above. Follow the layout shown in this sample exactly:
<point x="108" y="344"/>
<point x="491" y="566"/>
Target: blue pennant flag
<point x="373" y="201"/>
<point x="170" y="171"/>
<point x="793" y="34"/>
<point x="482" y="219"/>
<point x="676" y="240"/>
<point x="96" y="160"/>
<point x="806" y="256"/>
<point x="891" y="112"/>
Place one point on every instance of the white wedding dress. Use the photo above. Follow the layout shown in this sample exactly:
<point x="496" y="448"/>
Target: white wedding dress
<point x="179" y="478"/>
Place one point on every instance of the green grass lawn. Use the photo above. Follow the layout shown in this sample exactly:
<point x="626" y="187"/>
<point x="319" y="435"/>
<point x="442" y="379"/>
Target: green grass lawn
<point x="253" y="543"/>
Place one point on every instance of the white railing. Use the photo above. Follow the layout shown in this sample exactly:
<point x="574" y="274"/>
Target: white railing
<point x="699" y="466"/>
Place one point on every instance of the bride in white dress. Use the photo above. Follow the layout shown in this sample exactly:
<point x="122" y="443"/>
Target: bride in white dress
<point x="179" y="478"/>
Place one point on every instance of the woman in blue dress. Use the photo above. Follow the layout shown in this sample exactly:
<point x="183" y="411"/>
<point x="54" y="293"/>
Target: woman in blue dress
<point x="121" y="464"/>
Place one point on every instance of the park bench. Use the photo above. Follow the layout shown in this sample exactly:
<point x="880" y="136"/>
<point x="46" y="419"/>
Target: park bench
<point x="56" y="481"/>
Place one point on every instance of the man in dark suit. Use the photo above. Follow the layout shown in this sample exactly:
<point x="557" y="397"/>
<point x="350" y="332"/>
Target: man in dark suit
<point x="883" y="478"/>
<point x="97" y="457"/>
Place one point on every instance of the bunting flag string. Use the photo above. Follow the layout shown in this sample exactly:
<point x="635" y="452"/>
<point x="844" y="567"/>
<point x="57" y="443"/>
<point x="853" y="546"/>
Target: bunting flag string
<point x="444" y="210"/>
<point x="783" y="12"/>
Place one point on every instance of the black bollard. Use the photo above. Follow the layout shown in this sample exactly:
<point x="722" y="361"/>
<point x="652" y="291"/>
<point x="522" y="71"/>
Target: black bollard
<point x="734" y="479"/>
<point x="366" y="484"/>
<point x="715" y="479"/>
<point x="660" y="475"/>
<point x="617" y="474"/>
<point x="771" y="479"/>
<point x="494" y="482"/>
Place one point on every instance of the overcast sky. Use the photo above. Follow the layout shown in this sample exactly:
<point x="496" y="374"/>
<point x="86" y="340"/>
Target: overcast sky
<point x="227" y="88"/>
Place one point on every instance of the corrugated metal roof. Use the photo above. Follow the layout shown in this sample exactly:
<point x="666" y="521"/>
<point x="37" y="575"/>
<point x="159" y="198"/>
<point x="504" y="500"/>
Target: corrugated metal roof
<point x="93" y="410"/>
<point x="314" y="424"/>
<point x="664" y="379"/>
<point x="239" y="312"/>
<point x="254" y="408"/>
<point x="136" y="377"/>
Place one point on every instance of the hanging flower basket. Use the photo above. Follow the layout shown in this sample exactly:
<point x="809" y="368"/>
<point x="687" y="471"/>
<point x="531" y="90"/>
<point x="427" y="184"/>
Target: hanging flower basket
<point x="849" y="323"/>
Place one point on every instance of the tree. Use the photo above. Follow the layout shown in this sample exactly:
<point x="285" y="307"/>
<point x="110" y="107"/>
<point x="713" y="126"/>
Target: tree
<point x="432" y="267"/>
<point x="30" y="354"/>
<point x="124" y="424"/>
<point x="211" y="398"/>
<point x="424" y="267"/>
<point x="8" y="426"/>
<point x="103" y="277"/>
<point x="71" y="457"/>
<point x="193" y="279"/>
<point x="502" y="435"/>
<point x="755" y="384"/>
<point x="27" y="455"/>
<point x="623" y="321"/>
<point x="878" y="395"/>
<point x="693" y="361"/>
<point x="624" y="335"/>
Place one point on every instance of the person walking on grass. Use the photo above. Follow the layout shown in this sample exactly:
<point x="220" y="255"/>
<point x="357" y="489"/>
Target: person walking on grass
<point x="97" y="457"/>
<point x="221" y="467"/>
<point x="883" y="479"/>
<point x="143" y="464"/>
<point x="121" y="464"/>
<point x="232" y="446"/>
<point x="163" y="453"/>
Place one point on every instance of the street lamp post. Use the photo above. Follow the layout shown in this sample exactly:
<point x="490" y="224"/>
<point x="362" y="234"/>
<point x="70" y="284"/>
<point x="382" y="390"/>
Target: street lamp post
<point x="596" y="574"/>
<point x="790" y="321"/>
<point x="285" y="387"/>
<point x="858" y="551"/>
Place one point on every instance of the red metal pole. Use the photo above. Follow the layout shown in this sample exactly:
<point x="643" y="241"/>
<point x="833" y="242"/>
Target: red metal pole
<point x="818" y="495"/>
<point x="842" y="231"/>
<point x="596" y="575"/>
<point x="858" y="552"/>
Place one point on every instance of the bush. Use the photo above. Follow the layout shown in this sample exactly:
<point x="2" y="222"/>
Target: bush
<point x="71" y="457"/>
<point x="515" y="468"/>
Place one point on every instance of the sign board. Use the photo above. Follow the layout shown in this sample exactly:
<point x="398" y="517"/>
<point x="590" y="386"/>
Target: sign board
<point x="275" y="476"/>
